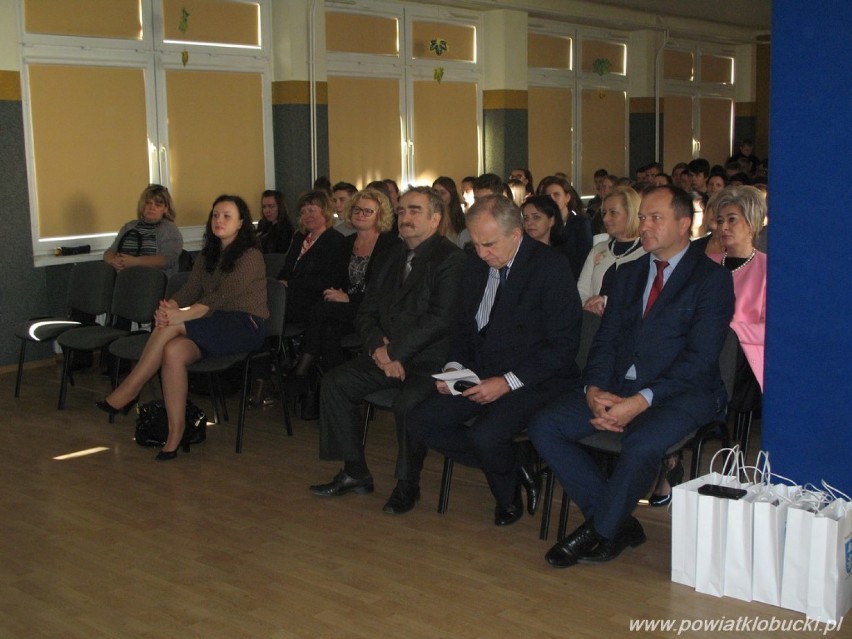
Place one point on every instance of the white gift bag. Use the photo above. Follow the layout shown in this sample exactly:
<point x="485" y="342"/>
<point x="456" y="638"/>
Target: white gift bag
<point x="739" y="547"/>
<point x="795" y="570"/>
<point x="712" y="525"/>
<point x="684" y="511"/>
<point x="830" y="577"/>
<point x="770" y="519"/>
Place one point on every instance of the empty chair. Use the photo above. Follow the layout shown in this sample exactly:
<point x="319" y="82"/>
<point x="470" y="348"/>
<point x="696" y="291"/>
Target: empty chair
<point x="137" y="293"/>
<point x="89" y="292"/>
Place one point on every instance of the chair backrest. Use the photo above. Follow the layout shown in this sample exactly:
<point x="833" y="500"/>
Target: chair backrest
<point x="137" y="294"/>
<point x="588" y="329"/>
<point x="175" y="283"/>
<point x="90" y="287"/>
<point x="276" y="301"/>
<point x="728" y="361"/>
<point x="274" y="263"/>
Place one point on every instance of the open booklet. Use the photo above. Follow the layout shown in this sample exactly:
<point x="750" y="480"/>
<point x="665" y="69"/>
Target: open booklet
<point x="456" y="379"/>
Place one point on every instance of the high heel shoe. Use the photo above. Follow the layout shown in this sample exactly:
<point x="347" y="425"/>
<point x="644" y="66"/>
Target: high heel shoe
<point x="165" y="455"/>
<point x="108" y="408"/>
<point x="674" y="476"/>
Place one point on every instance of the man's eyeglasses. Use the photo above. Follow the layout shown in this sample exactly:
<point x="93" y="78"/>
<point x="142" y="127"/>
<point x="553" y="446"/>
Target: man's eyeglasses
<point x="357" y="210"/>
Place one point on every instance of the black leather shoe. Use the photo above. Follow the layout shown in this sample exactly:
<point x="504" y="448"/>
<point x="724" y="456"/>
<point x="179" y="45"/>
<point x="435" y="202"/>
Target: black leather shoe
<point x="342" y="484"/>
<point x="579" y="543"/>
<point x="503" y="516"/>
<point x="531" y="481"/>
<point x="630" y="533"/>
<point x="402" y="499"/>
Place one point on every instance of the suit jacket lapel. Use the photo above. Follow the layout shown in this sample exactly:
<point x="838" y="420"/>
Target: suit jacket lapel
<point x="676" y="280"/>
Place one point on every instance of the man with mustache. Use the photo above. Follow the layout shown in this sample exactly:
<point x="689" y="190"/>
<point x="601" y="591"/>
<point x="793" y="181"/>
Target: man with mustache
<point x="405" y="325"/>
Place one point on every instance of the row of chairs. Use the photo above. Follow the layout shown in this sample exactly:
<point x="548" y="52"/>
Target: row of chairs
<point x="132" y="296"/>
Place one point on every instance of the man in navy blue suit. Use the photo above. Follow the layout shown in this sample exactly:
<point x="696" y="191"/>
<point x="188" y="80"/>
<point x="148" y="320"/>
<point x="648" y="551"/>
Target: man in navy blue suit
<point x="518" y="330"/>
<point x="652" y="375"/>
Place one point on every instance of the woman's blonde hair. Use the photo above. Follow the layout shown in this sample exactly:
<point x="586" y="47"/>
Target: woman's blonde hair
<point x="160" y="195"/>
<point x="384" y="213"/>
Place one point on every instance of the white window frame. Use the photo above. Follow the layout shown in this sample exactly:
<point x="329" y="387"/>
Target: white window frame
<point x="155" y="56"/>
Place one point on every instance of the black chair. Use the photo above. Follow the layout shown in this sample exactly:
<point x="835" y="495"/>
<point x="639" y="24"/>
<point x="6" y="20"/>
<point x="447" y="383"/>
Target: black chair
<point x="381" y="399"/>
<point x="89" y="293"/>
<point x="138" y="291"/>
<point x="211" y="366"/>
<point x="608" y="443"/>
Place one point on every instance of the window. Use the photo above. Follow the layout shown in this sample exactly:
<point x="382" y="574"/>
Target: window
<point x="111" y="103"/>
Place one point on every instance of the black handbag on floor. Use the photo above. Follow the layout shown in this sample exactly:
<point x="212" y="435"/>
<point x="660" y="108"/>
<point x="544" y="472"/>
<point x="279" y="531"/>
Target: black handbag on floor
<point x="152" y="424"/>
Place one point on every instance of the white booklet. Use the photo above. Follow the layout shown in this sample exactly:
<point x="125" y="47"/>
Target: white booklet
<point x="451" y="377"/>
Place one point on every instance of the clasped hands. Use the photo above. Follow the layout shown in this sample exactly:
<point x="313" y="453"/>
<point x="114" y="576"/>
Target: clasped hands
<point x="167" y="314"/>
<point x="391" y="368"/>
<point x="335" y="295"/>
<point x="612" y="412"/>
<point x="120" y="261"/>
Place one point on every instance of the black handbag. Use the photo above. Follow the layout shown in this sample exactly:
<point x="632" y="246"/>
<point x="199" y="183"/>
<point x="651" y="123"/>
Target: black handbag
<point x="152" y="424"/>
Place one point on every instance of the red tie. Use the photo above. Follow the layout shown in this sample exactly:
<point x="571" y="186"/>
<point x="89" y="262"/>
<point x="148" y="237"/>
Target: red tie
<point x="656" y="287"/>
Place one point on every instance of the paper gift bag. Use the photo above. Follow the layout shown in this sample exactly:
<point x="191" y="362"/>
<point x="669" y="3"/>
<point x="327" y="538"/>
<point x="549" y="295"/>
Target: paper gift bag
<point x="770" y="518"/>
<point x="739" y="546"/>
<point x="795" y="570"/>
<point x="830" y="577"/>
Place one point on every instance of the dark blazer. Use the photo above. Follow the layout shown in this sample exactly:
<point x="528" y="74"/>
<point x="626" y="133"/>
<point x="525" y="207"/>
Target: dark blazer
<point x="534" y="328"/>
<point x="676" y="347"/>
<point x="386" y="240"/>
<point x="415" y="315"/>
<point x="576" y="242"/>
<point x="320" y="268"/>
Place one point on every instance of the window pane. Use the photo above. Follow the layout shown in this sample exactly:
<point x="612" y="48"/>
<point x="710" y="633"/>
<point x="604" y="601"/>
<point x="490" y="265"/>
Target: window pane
<point x="353" y="33"/>
<point x="362" y="149"/>
<point x="677" y="65"/>
<point x="460" y="41"/>
<point x="218" y="149"/>
<point x="219" y="22"/>
<point x="604" y="135"/>
<point x="549" y="52"/>
<point x="550" y="131"/>
<point x="96" y="18"/>
<point x="716" y="68"/>
<point x="716" y="129"/>
<point x="435" y="133"/>
<point x="677" y="129"/>
<point x="90" y="146"/>
<point x="599" y="50"/>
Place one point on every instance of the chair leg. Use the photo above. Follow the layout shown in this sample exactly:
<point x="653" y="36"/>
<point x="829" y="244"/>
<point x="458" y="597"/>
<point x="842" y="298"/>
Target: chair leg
<point x="563" y="516"/>
<point x="446" y="480"/>
<point x="241" y="419"/>
<point x="63" y="384"/>
<point x="369" y="411"/>
<point x="547" y="503"/>
<point x="744" y="428"/>
<point x="20" y="368"/>
<point x="282" y="396"/>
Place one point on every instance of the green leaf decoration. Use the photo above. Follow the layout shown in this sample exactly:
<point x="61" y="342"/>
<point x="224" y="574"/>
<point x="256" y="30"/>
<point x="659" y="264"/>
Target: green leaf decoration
<point x="602" y="66"/>
<point x="184" y="56"/>
<point x="184" y="21"/>
<point x="438" y="45"/>
<point x="438" y="75"/>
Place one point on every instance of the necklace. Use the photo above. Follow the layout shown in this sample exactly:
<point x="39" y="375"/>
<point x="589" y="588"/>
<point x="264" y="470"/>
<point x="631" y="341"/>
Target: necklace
<point x="629" y="250"/>
<point x="744" y="264"/>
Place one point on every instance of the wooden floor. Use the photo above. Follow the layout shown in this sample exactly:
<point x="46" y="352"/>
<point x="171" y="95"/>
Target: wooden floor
<point x="215" y="544"/>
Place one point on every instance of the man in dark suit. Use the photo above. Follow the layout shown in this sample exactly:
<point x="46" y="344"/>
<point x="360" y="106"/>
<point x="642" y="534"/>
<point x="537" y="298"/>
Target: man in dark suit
<point x="404" y="323"/>
<point x="652" y="375"/>
<point x="518" y="330"/>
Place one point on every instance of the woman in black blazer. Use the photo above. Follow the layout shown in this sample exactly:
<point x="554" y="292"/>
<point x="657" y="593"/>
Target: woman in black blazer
<point x="316" y="257"/>
<point x="369" y="212"/>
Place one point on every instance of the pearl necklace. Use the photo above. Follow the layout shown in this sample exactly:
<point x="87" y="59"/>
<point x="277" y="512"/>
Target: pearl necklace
<point x="629" y="250"/>
<point x="744" y="264"/>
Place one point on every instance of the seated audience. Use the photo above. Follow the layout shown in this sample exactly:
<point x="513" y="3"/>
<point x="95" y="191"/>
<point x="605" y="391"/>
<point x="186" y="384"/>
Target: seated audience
<point x="341" y="193"/>
<point x="331" y="319"/>
<point x="314" y="261"/>
<point x="274" y="230"/>
<point x="404" y="323"/>
<point x="152" y="239"/>
<point x="621" y="218"/>
<point x="518" y="328"/>
<point x="652" y="375"/>
<point x="446" y="189"/>
<point x="219" y="310"/>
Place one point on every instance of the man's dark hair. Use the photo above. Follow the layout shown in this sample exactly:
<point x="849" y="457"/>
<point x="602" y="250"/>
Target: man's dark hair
<point x="490" y="181"/>
<point x="699" y="165"/>
<point x="345" y="186"/>
<point x="681" y="200"/>
<point x="601" y="173"/>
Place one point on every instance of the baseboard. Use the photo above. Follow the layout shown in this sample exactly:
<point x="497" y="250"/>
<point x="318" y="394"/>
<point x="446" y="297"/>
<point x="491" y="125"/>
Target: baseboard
<point x="39" y="363"/>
